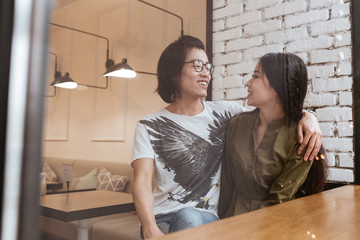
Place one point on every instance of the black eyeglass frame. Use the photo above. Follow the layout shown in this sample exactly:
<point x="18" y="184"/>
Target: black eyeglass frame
<point x="197" y="62"/>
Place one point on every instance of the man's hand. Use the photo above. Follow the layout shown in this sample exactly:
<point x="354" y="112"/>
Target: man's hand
<point x="310" y="126"/>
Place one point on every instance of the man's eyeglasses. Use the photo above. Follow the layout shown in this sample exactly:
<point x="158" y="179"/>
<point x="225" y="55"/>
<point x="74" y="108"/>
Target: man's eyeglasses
<point x="199" y="66"/>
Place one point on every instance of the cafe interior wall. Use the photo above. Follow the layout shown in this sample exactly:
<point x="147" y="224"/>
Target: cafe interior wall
<point x="98" y="124"/>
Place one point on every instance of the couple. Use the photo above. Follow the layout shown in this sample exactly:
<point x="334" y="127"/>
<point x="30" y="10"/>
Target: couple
<point x="181" y="146"/>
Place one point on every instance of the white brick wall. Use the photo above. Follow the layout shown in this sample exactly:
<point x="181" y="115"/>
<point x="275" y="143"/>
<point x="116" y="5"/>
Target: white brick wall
<point x="218" y="25"/>
<point x="287" y="35"/>
<point x="218" y="4"/>
<point x="331" y="161"/>
<point x="318" y="31"/>
<point x="232" y="82"/>
<point x="241" y="68"/>
<point x="285" y="9"/>
<point x="327" y="129"/>
<point x="333" y="55"/>
<point x="259" y="4"/>
<point x="330" y="27"/>
<point x="227" y="34"/>
<point x="244" y="43"/>
<point x="345" y="98"/>
<point x="340" y="10"/>
<point x="346" y="129"/>
<point x="320" y="100"/>
<point x="322" y="3"/>
<point x="338" y="144"/>
<point x="263" y="27"/>
<point x="307" y="17"/>
<point x="334" y="114"/>
<point x="218" y="47"/>
<point x="332" y="85"/>
<point x="341" y="175"/>
<point x="309" y="44"/>
<point x="228" y="10"/>
<point x="321" y="71"/>
<point x="346" y="160"/>
<point x="232" y="57"/>
<point x="342" y="39"/>
<point x="249" y="17"/>
<point x="217" y="83"/>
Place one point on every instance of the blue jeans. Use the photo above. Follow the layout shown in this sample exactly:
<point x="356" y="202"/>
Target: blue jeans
<point x="187" y="217"/>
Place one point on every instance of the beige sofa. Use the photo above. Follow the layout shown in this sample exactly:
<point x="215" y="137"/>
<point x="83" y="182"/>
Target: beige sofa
<point x="116" y="226"/>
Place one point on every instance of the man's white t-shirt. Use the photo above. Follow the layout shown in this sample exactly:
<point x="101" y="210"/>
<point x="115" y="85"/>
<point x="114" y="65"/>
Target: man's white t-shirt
<point x="187" y="152"/>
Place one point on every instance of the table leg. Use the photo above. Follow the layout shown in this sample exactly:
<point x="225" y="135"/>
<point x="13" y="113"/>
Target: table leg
<point x="83" y="229"/>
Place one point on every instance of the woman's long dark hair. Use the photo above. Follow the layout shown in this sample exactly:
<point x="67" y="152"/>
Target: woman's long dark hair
<point x="315" y="181"/>
<point x="287" y="74"/>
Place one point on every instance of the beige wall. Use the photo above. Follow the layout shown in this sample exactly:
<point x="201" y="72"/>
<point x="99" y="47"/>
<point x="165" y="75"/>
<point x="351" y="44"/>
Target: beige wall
<point x="98" y="124"/>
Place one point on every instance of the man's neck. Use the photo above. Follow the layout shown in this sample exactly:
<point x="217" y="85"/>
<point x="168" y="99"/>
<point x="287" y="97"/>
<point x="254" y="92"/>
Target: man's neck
<point x="186" y="108"/>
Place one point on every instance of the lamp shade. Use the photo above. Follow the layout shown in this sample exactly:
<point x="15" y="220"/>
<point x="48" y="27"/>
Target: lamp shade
<point x="120" y="70"/>
<point x="64" y="82"/>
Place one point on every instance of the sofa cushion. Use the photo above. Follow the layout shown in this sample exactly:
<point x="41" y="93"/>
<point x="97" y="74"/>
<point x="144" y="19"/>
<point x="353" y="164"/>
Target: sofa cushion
<point x="56" y="165"/>
<point x="50" y="174"/>
<point x="86" y="182"/>
<point x="110" y="182"/>
<point x="82" y="167"/>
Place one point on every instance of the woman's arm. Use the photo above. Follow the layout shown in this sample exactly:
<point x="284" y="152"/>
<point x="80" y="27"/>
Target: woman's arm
<point x="293" y="175"/>
<point x="143" y="198"/>
<point x="310" y="126"/>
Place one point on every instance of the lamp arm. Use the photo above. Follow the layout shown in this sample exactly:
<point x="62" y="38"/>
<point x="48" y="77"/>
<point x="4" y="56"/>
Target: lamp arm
<point x="109" y="62"/>
<point x="88" y="33"/>
<point x="164" y="10"/>
<point x="55" y="59"/>
<point x="52" y="95"/>
<point x="149" y="73"/>
<point x="55" y="75"/>
<point x="92" y="86"/>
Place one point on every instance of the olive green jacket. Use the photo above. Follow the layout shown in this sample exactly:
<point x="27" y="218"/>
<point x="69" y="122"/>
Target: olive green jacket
<point x="255" y="178"/>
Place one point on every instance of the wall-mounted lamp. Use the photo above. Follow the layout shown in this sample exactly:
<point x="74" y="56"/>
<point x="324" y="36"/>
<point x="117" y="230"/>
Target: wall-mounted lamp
<point x="164" y="10"/>
<point x="64" y="82"/>
<point x="122" y="69"/>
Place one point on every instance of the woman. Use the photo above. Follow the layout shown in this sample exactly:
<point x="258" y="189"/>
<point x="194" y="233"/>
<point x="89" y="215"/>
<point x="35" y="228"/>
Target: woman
<point x="261" y="165"/>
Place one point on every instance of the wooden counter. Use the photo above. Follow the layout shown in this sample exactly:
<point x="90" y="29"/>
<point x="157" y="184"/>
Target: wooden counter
<point x="333" y="214"/>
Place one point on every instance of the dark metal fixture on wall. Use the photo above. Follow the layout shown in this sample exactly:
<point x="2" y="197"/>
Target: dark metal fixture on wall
<point x="164" y="10"/>
<point x="122" y="70"/>
<point x="57" y="75"/>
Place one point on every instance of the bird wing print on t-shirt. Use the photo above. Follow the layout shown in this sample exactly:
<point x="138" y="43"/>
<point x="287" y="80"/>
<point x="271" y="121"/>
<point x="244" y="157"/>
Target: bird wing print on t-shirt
<point x="193" y="160"/>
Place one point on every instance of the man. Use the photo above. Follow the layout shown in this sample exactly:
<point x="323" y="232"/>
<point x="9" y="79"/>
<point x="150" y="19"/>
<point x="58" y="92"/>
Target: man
<point x="183" y="143"/>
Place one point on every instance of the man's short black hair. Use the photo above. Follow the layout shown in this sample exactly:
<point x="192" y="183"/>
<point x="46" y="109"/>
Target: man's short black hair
<point x="170" y="65"/>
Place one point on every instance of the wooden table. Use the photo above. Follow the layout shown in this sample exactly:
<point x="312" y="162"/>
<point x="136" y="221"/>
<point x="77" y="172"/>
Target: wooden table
<point x="333" y="214"/>
<point x="82" y="206"/>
